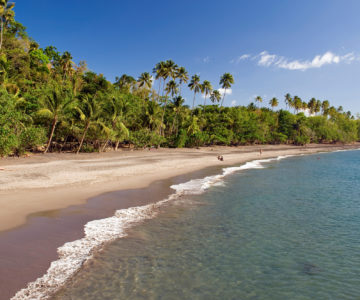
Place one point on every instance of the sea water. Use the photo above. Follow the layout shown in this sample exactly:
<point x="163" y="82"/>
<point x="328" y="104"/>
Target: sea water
<point x="272" y="229"/>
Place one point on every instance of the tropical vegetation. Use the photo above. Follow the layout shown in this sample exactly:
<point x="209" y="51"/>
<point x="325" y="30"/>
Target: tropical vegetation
<point x="48" y="103"/>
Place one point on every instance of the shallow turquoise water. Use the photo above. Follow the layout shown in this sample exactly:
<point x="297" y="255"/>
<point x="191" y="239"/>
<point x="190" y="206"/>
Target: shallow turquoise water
<point x="289" y="231"/>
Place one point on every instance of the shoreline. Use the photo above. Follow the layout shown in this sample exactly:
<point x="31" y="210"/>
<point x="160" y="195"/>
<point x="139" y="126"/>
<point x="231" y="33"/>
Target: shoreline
<point x="56" y="181"/>
<point x="140" y="197"/>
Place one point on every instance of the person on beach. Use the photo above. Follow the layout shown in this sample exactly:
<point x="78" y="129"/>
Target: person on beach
<point x="260" y="151"/>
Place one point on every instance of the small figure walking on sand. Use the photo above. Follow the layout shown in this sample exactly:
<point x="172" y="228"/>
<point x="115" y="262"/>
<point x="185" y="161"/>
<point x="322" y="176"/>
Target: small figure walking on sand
<point x="260" y="151"/>
<point x="220" y="157"/>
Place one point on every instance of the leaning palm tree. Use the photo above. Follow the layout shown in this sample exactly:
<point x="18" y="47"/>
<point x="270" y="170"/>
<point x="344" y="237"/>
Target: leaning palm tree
<point x="274" y="102"/>
<point x="6" y="14"/>
<point x="215" y="96"/>
<point x="226" y="81"/>
<point x="145" y="80"/>
<point x="206" y="89"/>
<point x="195" y="86"/>
<point x="90" y="110"/>
<point x="55" y="105"/>
<point x="183" y="76"/>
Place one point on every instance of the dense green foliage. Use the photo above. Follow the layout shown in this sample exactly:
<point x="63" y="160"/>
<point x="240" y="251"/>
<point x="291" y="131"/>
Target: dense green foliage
<point x="48" y="103"/>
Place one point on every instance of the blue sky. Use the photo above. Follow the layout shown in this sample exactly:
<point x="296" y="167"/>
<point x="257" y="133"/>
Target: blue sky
<point x="306" y="48"/>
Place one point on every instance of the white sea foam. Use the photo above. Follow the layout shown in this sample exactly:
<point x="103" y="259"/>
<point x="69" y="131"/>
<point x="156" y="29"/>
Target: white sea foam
<point x="74" y="254"/>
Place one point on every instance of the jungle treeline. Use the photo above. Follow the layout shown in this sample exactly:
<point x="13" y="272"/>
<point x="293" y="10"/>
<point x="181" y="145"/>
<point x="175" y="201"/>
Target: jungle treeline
<point x="48" y="103"/>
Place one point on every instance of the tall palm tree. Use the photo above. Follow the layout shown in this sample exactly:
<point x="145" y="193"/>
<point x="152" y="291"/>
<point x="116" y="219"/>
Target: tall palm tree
<point x="317" y="106"/>
<point x="145" y="80"/>
<point x="6" y="14"/>
<point x="177" y="106"/>
<point x="171" y="69"/>
<point x="90" y="110"/>
<point x="288" y="101"/>
<point x="274" y="102"/>
<point x="172" y="89"/>
<point x="56" y="105"/>
<point x="226" y="81"/>
<point x="183" y="76"/>
<point x="195" y="86"/>
<point x="158" y="72"/>
<point x="206" y="88"/>
<point x="215" y="96"/>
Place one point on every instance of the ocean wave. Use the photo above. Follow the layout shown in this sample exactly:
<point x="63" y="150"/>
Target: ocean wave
<point x="73" y="255"/>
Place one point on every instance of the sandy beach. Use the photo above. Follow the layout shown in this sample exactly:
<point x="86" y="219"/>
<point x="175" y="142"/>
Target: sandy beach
<point x="54" y="181"/>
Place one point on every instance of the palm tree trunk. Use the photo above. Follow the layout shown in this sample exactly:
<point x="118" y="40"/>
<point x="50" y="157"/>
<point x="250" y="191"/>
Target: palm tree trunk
<point x="193" y="102"/>
<point x="2" y="32"/>
<point x="223" y="98"/>
<point x="83" y="137"/>
<point x="51" y="134"/>
<point x="163" y="114"/>
<point x="117" y="145"/>
<point x="205" y="101"/>
<point x="103" y="148"/>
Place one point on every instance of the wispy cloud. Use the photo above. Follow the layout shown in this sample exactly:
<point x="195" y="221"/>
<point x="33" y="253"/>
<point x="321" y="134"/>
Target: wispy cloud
<point x="233" y="103"/>
<point x="266" y="59"/>
<point x="240" y="58"/>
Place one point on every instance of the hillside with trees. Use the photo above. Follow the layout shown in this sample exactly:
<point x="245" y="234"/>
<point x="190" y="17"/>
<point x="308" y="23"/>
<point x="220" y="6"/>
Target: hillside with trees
<point x="48" y="103"/>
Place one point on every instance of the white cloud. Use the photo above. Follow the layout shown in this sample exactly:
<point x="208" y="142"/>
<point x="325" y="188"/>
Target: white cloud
<point x="206" y="59"/>
<point x="328" y="58"/>
<point x="233" y="103"/>
<point x="240" y="58"/>
<point x="222" y="91"/>
<point x="266" y="59"/>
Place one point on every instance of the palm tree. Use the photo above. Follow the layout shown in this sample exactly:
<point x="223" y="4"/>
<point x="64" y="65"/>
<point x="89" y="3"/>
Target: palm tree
<point x="288" y="100"/>
<point x="206" y="88"/>
<point x="6" y="14"/>
<point x="171" y="69"/>
<point x="124" y="83"/>
<point x="325" y="106"/>
<point x="195" y="86"/>
<point x="114" y="109"/>
<point x="145" y="80"/>
<point x="56" y="105"/>
<point x="258" y="99"/>
<point x="215" y="96"/>
<point x="274" y="102"/>
<point x="90" y="110"/>
<point x="312" y="105"/>
<point x="318" y="106"/>
<point x="66" y="64"/>
<point x="183" y="76"/>
<point x="177" y="106"/>
<point x="297" y="103"/>
<point x="226" y="81"/>
<point x="158" y="72"/>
